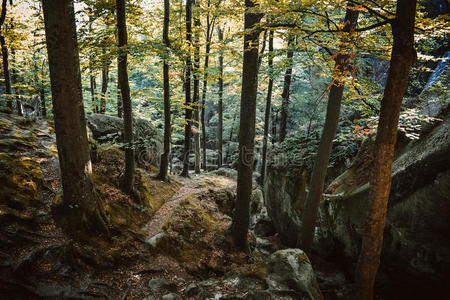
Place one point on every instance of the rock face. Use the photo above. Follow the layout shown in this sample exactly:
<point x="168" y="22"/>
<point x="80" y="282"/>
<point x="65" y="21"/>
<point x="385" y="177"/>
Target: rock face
<point x="416" y="249"/>
<point x="148" y="139"/>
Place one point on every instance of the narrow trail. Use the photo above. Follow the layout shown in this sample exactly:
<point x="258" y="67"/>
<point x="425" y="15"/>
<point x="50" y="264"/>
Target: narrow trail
<point x="190" y="186"/>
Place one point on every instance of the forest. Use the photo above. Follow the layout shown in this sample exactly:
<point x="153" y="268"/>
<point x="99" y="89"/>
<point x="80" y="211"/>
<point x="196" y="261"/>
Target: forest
<point x="222" y="149"/>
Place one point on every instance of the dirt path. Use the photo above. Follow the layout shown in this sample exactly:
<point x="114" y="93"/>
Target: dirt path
<point x="190" y="186"/>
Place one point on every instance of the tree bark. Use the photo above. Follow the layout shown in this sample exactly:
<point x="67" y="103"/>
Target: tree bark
<point x="105" y="80"/>
<point x="9" y="102"/>
<point x="268" y="107"/>
<point x="14" y="82"/>
<point x="128" y="178"/>
<point x="220" y="104"/>
<point x="197" y="96"/>
<point x="166" y="88"/>
<point x="205" y="82"/>
<point x="80" y="204"/>
<point x="93" y="96"/>
<point x="188" y="117"/>
<point x="402" y="57"/>
<point x="119" y="97"/>
<point x="240" y="224"/>
<point x="319" y="172"/>
<point x="42" y="91"/>
<point x="286" y="88"/>
<point x="9" y="99"/>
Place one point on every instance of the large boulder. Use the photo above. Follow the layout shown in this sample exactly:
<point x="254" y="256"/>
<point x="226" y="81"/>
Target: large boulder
<point x="148" y="140"/>
<point x="417" y="234"/>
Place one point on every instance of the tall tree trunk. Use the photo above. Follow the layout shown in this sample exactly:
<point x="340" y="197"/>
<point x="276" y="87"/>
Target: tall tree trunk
<point x="220" y="104"/>
<point x="402" y="57"/>
<point x="9" y="102"/>
<point x="80" y="204"/>
<point x="205" y="82"/>
<point x="319" y="172"/>
<point x="286" y="88"/>
<point x="93" y="94"/>
<point x="128" y="178"/>
<point x="105" y="80"/>
<point x="166" y="87"/>
<point x="240" y="224"/>
<point x="188" y="118"/>
<point x="268" y="106"/>
<point x="197" y="95"/>
<point x="42" y="91"/>
<point x="119" y="97"/>
<point x="14" y="82"/>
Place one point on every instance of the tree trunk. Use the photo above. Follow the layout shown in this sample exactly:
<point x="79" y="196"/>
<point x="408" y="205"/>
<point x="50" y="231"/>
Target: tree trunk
<point x="9" y="99"/>
<point x="128" y="178"/>
<point x="220" y="104"/>
<point x="319" y="172"/>
<point x="240" y="224"/>
<point x="105" y="79"/>
<point x="205" y="82"/>
<point x="197" y="95"/>
<point x="119" y="97"/>
<point x="166" y="87"/>
<point x="93" y="96"/>
<point x="42" y="91"/>
<point x="188" y="118"/>
<point x="268" y="106"/>
<point x="402" y="57"/>
<point x="286" y="88"/>
<point x="14" y="82"/>
<point x="80" y="204"/>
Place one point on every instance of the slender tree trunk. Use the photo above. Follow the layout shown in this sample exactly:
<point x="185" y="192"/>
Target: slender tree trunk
<point x="240" y="224"/>
<point x="14" y="82"/>
<point x="197" y="95"/>
<point x="119" y="97"/>
<point x="93" y="96"/>
<point x="128" y="178"/>
<point x="286" y="88"/>
<point x="42" y="91"/>
<point x="402" y="57"/>
<point x="220" y="104"/>
<point x="205" y="83"/>
<point x="105" y="80"/>
<point x="9" y="102"/>
<point x="167" y="127"/>
<point x="319" y="172"/>
<point x="80" y="204"/>
<point x="268" y="106"/>
<point x="9" y="98"/>
<point x="188" y="119"/>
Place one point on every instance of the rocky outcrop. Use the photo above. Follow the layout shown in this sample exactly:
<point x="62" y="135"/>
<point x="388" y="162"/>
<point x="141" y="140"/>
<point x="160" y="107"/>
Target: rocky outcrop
<point x="148" y="139"/>
<point x="416" y="248"/>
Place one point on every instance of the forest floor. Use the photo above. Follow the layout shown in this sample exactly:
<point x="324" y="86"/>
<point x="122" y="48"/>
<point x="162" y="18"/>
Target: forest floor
<point x="176" y="240"/>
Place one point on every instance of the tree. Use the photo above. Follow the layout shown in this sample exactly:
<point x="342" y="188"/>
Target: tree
<point x="247" y="125"/>
<point x="105" y="79"/>
<point x="128" y="177"/>
<point x="322" y="159"/>
<point x="80" y="205"/>
<point x="268" y="108"/>
<point x="402" y="57"/>
<point x="196" y="102"/>
<point x="9" y="101"/>
<point x="166" y="90"/>
<point x="188" y="121"/>
<point x="220" y="105"/>
<point x="286" y="87"/>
